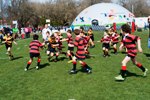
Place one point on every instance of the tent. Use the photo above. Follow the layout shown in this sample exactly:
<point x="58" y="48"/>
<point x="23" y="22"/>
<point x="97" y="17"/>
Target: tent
<point x="103" y="14"/>
<point x="141" y="22"/>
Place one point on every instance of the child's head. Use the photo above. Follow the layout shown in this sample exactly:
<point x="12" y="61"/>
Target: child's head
<point x="125" y="29"/>
<point x="52" y="36"/>
<point x="8" y="34"/>
<point x="82" y="28"/>
<point x="110" y="31"/>
<point x="35" y="37"/>
<point x="69" y="31"/>
<point x="47" y="33"/>
<point x="77" y="31"/>
<point x="90" y="29"/>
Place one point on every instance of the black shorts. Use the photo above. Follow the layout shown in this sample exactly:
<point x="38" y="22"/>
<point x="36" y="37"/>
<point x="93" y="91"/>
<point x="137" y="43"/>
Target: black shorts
<point x="81" y="59"/>
<point x="52" y="49"/>
<point x="7" y="46"/>
<point x="71" y="48"/>
<point x="106" y="45"/>
<point x="32" y="55"/>
<point x="92" y="37"/>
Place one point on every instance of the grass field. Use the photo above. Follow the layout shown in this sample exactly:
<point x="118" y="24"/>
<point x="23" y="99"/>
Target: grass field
<point x="52" y="81"/>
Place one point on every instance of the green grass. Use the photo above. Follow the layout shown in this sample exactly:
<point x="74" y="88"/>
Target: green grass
<point x="52" y="82"/>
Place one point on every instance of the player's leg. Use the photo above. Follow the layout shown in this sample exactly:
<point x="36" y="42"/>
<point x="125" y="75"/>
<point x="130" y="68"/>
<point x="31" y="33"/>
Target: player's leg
<point x="91" y="43"/>
<point x="29" y="63"/>
<point x="139" y="65"/>
<point x="74" y="62"/>
<point x="57" y="54"/>
<point x="85" y="67"/>
<point x="104" y="51"/>
<point x="115" y="48"/>
<point x="38" y="61"/>
<point x="69" y="54"/>
<point x="10" y="53"/>
<point x="123" y="68"/>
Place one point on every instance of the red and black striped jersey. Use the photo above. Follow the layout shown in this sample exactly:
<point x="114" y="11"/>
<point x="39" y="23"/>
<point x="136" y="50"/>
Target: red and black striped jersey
<point x="58" y="40"/>
<point x="115" y="38"/>
<point x="129" y="41"/>
<point x="34" y="46"/>
<point x="79" y="43"/>
<point x="69" y="38"/>
<point x="106" y="39"/>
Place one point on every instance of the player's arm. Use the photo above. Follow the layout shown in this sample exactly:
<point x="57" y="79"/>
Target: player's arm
<point x="139" y="45"/>
<point x="121" y="46"/>
<point x="15" y="42"/>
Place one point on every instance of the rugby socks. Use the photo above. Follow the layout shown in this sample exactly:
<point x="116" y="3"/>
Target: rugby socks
<point x="74" y="65"/>
<point x="70" y="57"/>
<point x="104" y="52"/>
<point x="140" y="66"/>
<point x="115" y="50"/>
<point x="57" y="57"/>
<point x="38" y="62"/>
<point x="123" y="71"/>
<point x="28" y="64"/>
<point x="85" y="66"/>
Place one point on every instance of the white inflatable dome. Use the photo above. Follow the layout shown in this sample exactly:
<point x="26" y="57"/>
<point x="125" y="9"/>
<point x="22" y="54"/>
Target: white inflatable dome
<point x="103" y="14"/>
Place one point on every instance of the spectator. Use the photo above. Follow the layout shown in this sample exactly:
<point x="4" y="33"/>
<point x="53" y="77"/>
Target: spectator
<point x="44" y="31"/>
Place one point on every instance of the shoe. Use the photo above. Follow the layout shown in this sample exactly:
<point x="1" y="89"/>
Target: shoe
<point x="73" y="72"/>
<point x="115" y="53"/>
<point x="12" y="57"/>
<point x="89" y="71"/>
<point x="119" y="78"/>
<point x="37" y="67"/>
<point x="104" y="55"/>
<point x="25" y="69"/>
<point x="144" y="74"/>
<point x="70" y="61"/>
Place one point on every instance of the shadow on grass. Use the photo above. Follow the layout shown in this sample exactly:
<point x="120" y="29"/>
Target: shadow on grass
<point x="84" y="70"/>
<point x="15" y="58"/>
<point x="40" y="67"/>
<point x="130" y="74"/>
<point x="89" y="56"/>
<point x="62" y="58"/>
<point x="147" y="55"/>
<point x="44" y="65"/>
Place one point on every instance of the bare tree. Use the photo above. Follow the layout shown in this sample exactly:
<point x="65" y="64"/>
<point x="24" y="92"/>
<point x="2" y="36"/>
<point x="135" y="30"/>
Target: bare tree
<point x="63" y="12"/>
<point x="137" y="7"/>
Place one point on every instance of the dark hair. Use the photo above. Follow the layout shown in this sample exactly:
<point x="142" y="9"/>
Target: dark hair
<point x="126" y="28"/>
<point x="48" y="32"/>
<point x="77" y="31"/>
<point x="35" y="37"/>
<point x="90" y="28"/>
<point x="52" y="36"/>
<point x="69" y="31"/>
<point x="82" y="27"/>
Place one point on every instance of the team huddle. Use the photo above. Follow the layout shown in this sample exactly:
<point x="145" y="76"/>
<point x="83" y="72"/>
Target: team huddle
<point x="82" y="41"/>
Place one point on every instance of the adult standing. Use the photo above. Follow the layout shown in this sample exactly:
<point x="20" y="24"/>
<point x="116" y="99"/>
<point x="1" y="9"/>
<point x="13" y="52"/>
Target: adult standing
<point x="44" y="31"/>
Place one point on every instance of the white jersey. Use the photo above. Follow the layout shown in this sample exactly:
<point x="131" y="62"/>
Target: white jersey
<point x="44" y="33"/>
